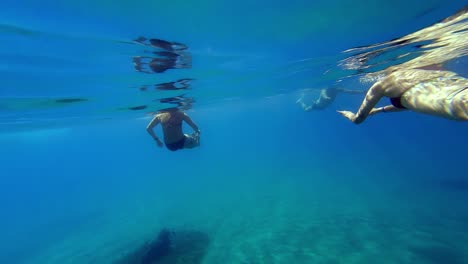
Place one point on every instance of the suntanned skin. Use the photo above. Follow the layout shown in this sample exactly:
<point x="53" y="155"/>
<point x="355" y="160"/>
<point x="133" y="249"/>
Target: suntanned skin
<point x="422" y="83"/>
<point x="434" y="92"/>
<point x="171" y="122"/>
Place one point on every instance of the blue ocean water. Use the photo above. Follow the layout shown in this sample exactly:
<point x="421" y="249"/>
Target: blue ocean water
<point x="82" y="182"/>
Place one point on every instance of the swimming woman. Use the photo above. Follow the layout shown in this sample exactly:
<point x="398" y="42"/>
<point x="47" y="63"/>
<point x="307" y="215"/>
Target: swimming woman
<point x="433" y="92"/>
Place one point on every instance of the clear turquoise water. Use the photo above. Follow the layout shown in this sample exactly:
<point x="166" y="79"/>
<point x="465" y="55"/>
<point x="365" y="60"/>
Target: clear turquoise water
<point x="84" y="183"/>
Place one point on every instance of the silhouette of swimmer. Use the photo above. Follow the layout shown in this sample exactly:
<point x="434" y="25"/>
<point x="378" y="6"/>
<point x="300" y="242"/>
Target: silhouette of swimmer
<point x="162" y="44"/>
<point x="171" y="120"/>
<point x="327" y="97"/>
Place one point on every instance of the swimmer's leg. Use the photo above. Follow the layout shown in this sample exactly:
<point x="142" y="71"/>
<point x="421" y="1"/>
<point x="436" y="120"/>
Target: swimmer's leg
<point x="373" y="96"/>
<point x="386" y="109"/>
<point x="301" y="99"/>
<point x="303" y="105"/>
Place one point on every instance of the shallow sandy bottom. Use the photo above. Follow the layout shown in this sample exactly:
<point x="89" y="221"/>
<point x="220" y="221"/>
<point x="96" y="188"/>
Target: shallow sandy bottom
<point x="313" y="217"/>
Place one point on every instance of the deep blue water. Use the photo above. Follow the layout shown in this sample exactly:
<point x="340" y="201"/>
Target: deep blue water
<point x="84" y="183"/>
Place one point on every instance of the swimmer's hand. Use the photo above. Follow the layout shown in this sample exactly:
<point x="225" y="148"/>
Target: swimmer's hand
<point x="349" y="115"/>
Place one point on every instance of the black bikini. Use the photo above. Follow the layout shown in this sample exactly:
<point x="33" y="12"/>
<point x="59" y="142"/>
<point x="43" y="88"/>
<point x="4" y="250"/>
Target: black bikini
<point x="176" y="145"/>
<point x="396" y="102"/>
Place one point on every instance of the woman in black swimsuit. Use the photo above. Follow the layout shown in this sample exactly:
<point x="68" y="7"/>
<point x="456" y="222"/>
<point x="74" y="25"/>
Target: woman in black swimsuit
<point x="433" y="92"/>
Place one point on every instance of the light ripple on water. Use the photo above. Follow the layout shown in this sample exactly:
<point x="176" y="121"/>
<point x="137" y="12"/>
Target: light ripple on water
<point x="91" y="79"/>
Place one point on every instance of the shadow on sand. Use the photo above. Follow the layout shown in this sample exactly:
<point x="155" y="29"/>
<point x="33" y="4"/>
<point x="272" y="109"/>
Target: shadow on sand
<point x="170" y="247"/>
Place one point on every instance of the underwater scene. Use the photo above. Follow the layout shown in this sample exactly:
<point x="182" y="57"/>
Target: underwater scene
<point x="219" y="132"/>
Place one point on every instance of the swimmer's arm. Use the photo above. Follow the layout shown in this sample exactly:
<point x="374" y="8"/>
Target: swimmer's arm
<point x="373" y="96"/>
<point x="150" y="130"/>
<point x="308" y="108"/>
<point x="191" y="123"/>
<point x="386" y="109"/>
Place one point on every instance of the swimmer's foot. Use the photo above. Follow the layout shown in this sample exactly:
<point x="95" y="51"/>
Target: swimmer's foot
<point x="349" y="115"/>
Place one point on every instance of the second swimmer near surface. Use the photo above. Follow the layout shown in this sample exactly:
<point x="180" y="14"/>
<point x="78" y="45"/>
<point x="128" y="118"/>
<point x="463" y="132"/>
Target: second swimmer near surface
<point x="433" y="92"/>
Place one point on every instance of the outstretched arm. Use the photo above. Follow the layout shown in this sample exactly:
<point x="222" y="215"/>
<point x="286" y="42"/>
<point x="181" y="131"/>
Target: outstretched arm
<point x="373" y="96"/>
<point x="191" y="123"/>
<point x="150" y="130"/>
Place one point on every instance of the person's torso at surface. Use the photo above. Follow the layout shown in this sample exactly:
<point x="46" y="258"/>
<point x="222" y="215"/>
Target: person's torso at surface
<point x="444" y="94"/>
<point x="172" y="126"/>
<point x="401" y="80"/>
